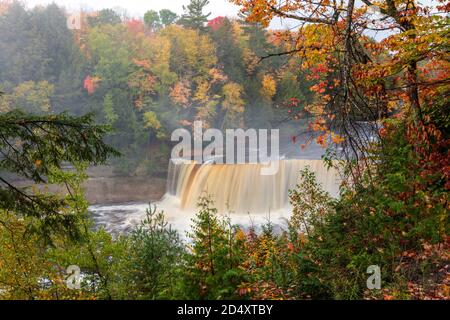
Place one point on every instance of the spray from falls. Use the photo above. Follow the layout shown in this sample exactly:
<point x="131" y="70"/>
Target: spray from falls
<point x="240" y="188"/>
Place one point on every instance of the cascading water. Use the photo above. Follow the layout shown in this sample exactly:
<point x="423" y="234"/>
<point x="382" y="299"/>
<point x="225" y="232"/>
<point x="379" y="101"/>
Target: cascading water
<point x="238" y="190"/>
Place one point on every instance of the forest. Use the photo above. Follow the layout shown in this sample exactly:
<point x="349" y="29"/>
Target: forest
<point x="110" y="89"/>
<point x="146" y="78"/>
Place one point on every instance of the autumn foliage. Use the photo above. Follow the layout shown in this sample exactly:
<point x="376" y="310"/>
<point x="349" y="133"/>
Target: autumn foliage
<point x="384" y="101"/>
<point x="368" y="81"/>
<point x="90" y="84"/>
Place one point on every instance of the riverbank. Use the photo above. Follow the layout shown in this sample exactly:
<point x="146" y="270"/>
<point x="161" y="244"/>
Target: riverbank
<point x="101" y="190"/>
<point x="103" y="187"/>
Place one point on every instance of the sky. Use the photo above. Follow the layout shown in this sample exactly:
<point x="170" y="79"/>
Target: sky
<point x="137" y="8"/>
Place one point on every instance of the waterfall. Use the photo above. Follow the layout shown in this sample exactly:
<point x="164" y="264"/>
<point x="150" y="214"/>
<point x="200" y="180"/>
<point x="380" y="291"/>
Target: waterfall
<point x="240" y="188"/>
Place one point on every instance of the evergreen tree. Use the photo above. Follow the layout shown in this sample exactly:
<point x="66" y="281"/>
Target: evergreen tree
<point x="228" y="51"/>
<point x="36" y="148"/>
<point x="155" y="258"/>
<point x="213" y="266"/>
<point x="194" y="18"/>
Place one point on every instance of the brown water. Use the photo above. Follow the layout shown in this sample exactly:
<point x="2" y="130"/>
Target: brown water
<point x="241" y="188"/>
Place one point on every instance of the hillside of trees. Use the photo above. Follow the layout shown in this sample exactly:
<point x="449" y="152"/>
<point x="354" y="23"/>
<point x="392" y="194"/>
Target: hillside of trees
<point x="147" y="77"/>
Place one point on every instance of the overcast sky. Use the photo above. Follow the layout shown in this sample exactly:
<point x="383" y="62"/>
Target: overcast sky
<point x="139" y="7"/>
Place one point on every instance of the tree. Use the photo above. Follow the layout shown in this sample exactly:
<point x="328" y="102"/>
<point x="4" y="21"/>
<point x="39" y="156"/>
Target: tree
<point x="192" y="55"/>
<point x="156" y="256"/>
<point x="36" y="147"/>
<point x="151" y="122"/>
<point x="104" y="16"/>
<point x="386" y="97"/>
<point x="268" y="87"/>
<point x="152" y="20"/>
<point x="37" y="46"/>
<point x="15" y="66"/>
<point x="194" y="18"/>
<point x="180" y="94"/>
<point x="30" y="96"/>
<point x="233" y="105"/>
<point x="310" y="203"/>
<point x="229" y="48"/>
<point x="108" y="108"/>
<point x="359" y="80"/>
<point x="167" y="17"/>
<point x="213" y="267"/>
